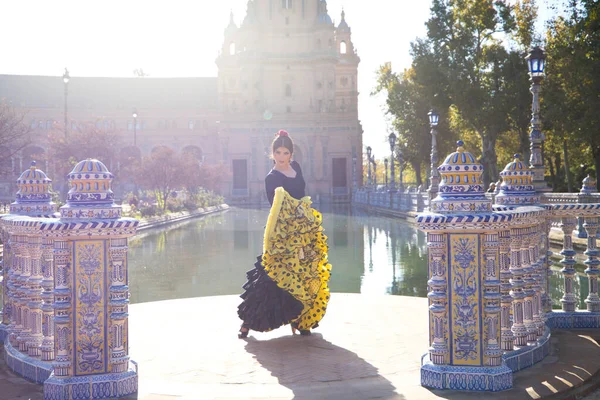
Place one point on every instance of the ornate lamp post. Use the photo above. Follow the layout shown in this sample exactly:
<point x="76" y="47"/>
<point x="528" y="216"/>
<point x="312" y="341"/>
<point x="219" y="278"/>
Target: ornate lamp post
<point x="66" y="79"/>
<point x="385" y="161"/>
<point x="369" y="165"/>
<point x="135" y="115"/>
<point x="374" y="170"/>
<point x="392" y="140"/>
<point x="354" y="170"/>
<point x="435" y="175"/>
<point x="536" y="62"/>
<point x="401" y="166"/>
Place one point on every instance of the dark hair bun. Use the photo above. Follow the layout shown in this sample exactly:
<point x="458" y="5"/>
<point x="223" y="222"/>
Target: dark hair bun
<point x="282" y="133"/>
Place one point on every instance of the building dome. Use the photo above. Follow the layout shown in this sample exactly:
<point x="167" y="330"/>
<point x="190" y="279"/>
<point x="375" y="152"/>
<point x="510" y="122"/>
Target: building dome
<point x="34" y="197"/>
<point x="323" y="17"/>
<point x="517" y="184"/>
<point x="461" y="188"/>
<point x="90" y="195"/>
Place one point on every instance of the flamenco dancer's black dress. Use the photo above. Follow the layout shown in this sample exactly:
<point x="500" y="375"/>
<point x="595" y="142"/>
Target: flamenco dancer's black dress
<point x="289" y="281"/>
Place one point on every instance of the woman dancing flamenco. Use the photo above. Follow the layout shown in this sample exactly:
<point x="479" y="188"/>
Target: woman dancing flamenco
<point x="288" y="284"/>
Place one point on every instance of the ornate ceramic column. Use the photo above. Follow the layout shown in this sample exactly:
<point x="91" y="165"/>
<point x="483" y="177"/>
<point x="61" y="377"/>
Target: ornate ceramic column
<point x="91" y="290"/>
<point x="47" y="347"/>
<point x="517" y="190"/>
<point x="34" y="342"/>
<point x="568" y="300"/>
<point x="506" y="299"/>
<point x="464" y="282"/>
<point x="518" y="296"/>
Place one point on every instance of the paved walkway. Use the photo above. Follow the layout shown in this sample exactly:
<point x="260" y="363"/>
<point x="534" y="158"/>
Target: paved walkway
<point x="366" y="347"/>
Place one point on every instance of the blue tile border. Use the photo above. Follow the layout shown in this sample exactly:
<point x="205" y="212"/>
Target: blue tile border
<point x="103" y="386"/>
<point x="92" y="387"/>
<point x="573" y="320"/>
<point x="482" y="379"/>
<point x="526" y="356"/>
<point x="29" y="368"/>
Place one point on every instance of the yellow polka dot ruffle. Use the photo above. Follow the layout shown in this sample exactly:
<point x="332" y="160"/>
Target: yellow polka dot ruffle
<point x="295" y="255"/>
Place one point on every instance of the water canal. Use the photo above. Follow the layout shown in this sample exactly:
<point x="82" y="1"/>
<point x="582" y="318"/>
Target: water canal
<point x="209" y="256"/>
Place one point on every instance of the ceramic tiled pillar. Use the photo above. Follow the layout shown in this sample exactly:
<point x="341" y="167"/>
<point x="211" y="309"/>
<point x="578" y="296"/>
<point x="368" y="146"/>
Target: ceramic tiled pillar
<point x="464" y="281"/>
<point x="91" y="292"/>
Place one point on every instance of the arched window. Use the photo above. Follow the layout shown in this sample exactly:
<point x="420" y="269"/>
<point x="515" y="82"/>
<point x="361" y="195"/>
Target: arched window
<point x="231" y="48"/>
<point x="343" y="47"/>
<point x="288" y="91"/>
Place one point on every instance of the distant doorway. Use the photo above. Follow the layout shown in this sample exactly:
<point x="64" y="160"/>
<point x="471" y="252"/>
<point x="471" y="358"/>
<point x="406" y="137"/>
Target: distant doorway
<point x="339" y="176"/>
<point x="240" y="177"/>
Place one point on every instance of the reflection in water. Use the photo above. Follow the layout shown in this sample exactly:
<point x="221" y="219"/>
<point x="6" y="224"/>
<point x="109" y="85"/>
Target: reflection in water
<point x="210" y="256"/>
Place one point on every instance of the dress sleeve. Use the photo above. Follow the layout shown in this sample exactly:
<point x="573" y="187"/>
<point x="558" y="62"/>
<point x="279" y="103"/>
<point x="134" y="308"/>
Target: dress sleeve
<point x="270" y="185"/>
<point x="301" y="184"/>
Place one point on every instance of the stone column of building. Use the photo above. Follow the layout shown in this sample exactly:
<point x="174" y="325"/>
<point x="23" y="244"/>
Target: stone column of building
<point x="464" y="269"/>
<point x="568" y="300"/>
<point x="35" y="296"/>
<point x="91" y="292"/>
<point x="506" y="299"/>
<point x="47" y="346"/>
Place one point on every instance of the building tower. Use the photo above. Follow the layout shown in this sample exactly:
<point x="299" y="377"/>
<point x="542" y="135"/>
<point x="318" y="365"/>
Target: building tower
<point x="287" y="66"/>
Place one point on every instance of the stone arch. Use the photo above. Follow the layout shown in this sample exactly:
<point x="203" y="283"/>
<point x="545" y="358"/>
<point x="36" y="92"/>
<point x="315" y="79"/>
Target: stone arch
<point x="343" y="47"/>
<point x="194" y="151"/>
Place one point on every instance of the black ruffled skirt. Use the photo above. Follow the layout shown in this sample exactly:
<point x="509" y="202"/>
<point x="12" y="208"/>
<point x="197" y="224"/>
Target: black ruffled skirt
<point x="265" y="305"/>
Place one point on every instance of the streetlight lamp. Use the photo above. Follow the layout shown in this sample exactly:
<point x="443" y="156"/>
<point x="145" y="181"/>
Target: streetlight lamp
<point x="392" y="140"/>
<point x="354" y="170"/>
<point x="369" y="165"/>
<point x="66" y="79"/>
<point x="536" y="62"/>
<point x="385" y="161"/>
<point x="401" y="166"/>
<point x="435" y="175"/>
<point x="374" y="170"/>
<point x="135" y="115"/>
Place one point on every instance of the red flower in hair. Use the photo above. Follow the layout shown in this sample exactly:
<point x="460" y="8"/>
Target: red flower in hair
<point x="282" y="133"/>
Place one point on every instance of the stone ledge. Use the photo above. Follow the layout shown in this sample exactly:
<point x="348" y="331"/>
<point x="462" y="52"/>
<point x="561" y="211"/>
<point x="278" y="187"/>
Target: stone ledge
<point x="153" y="222"/>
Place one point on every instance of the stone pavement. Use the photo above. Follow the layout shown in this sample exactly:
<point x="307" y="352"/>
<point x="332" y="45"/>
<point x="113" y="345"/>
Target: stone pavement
<point x="366" y="347"/>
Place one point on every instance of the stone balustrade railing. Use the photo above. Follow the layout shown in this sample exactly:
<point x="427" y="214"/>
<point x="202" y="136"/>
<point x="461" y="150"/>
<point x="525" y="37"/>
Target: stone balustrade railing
<point x="65" y="287"/>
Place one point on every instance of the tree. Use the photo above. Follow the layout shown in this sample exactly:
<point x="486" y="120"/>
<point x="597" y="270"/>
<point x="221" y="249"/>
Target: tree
<point x="573" y="77"/>
<point x="86" y="142"/>
<point x="15" y="135"/>
<point x="463" y="37"/>
<point x="162" y="171"/>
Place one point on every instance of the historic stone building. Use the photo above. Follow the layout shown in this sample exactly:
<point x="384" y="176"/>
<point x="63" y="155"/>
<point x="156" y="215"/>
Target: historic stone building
<point x="287" y="66"/>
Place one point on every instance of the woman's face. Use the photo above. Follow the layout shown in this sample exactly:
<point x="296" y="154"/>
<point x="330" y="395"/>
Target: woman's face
<point x="282" y="156"/>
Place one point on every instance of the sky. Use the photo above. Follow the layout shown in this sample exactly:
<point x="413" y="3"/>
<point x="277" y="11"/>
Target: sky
<point x="181" y="38"/>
